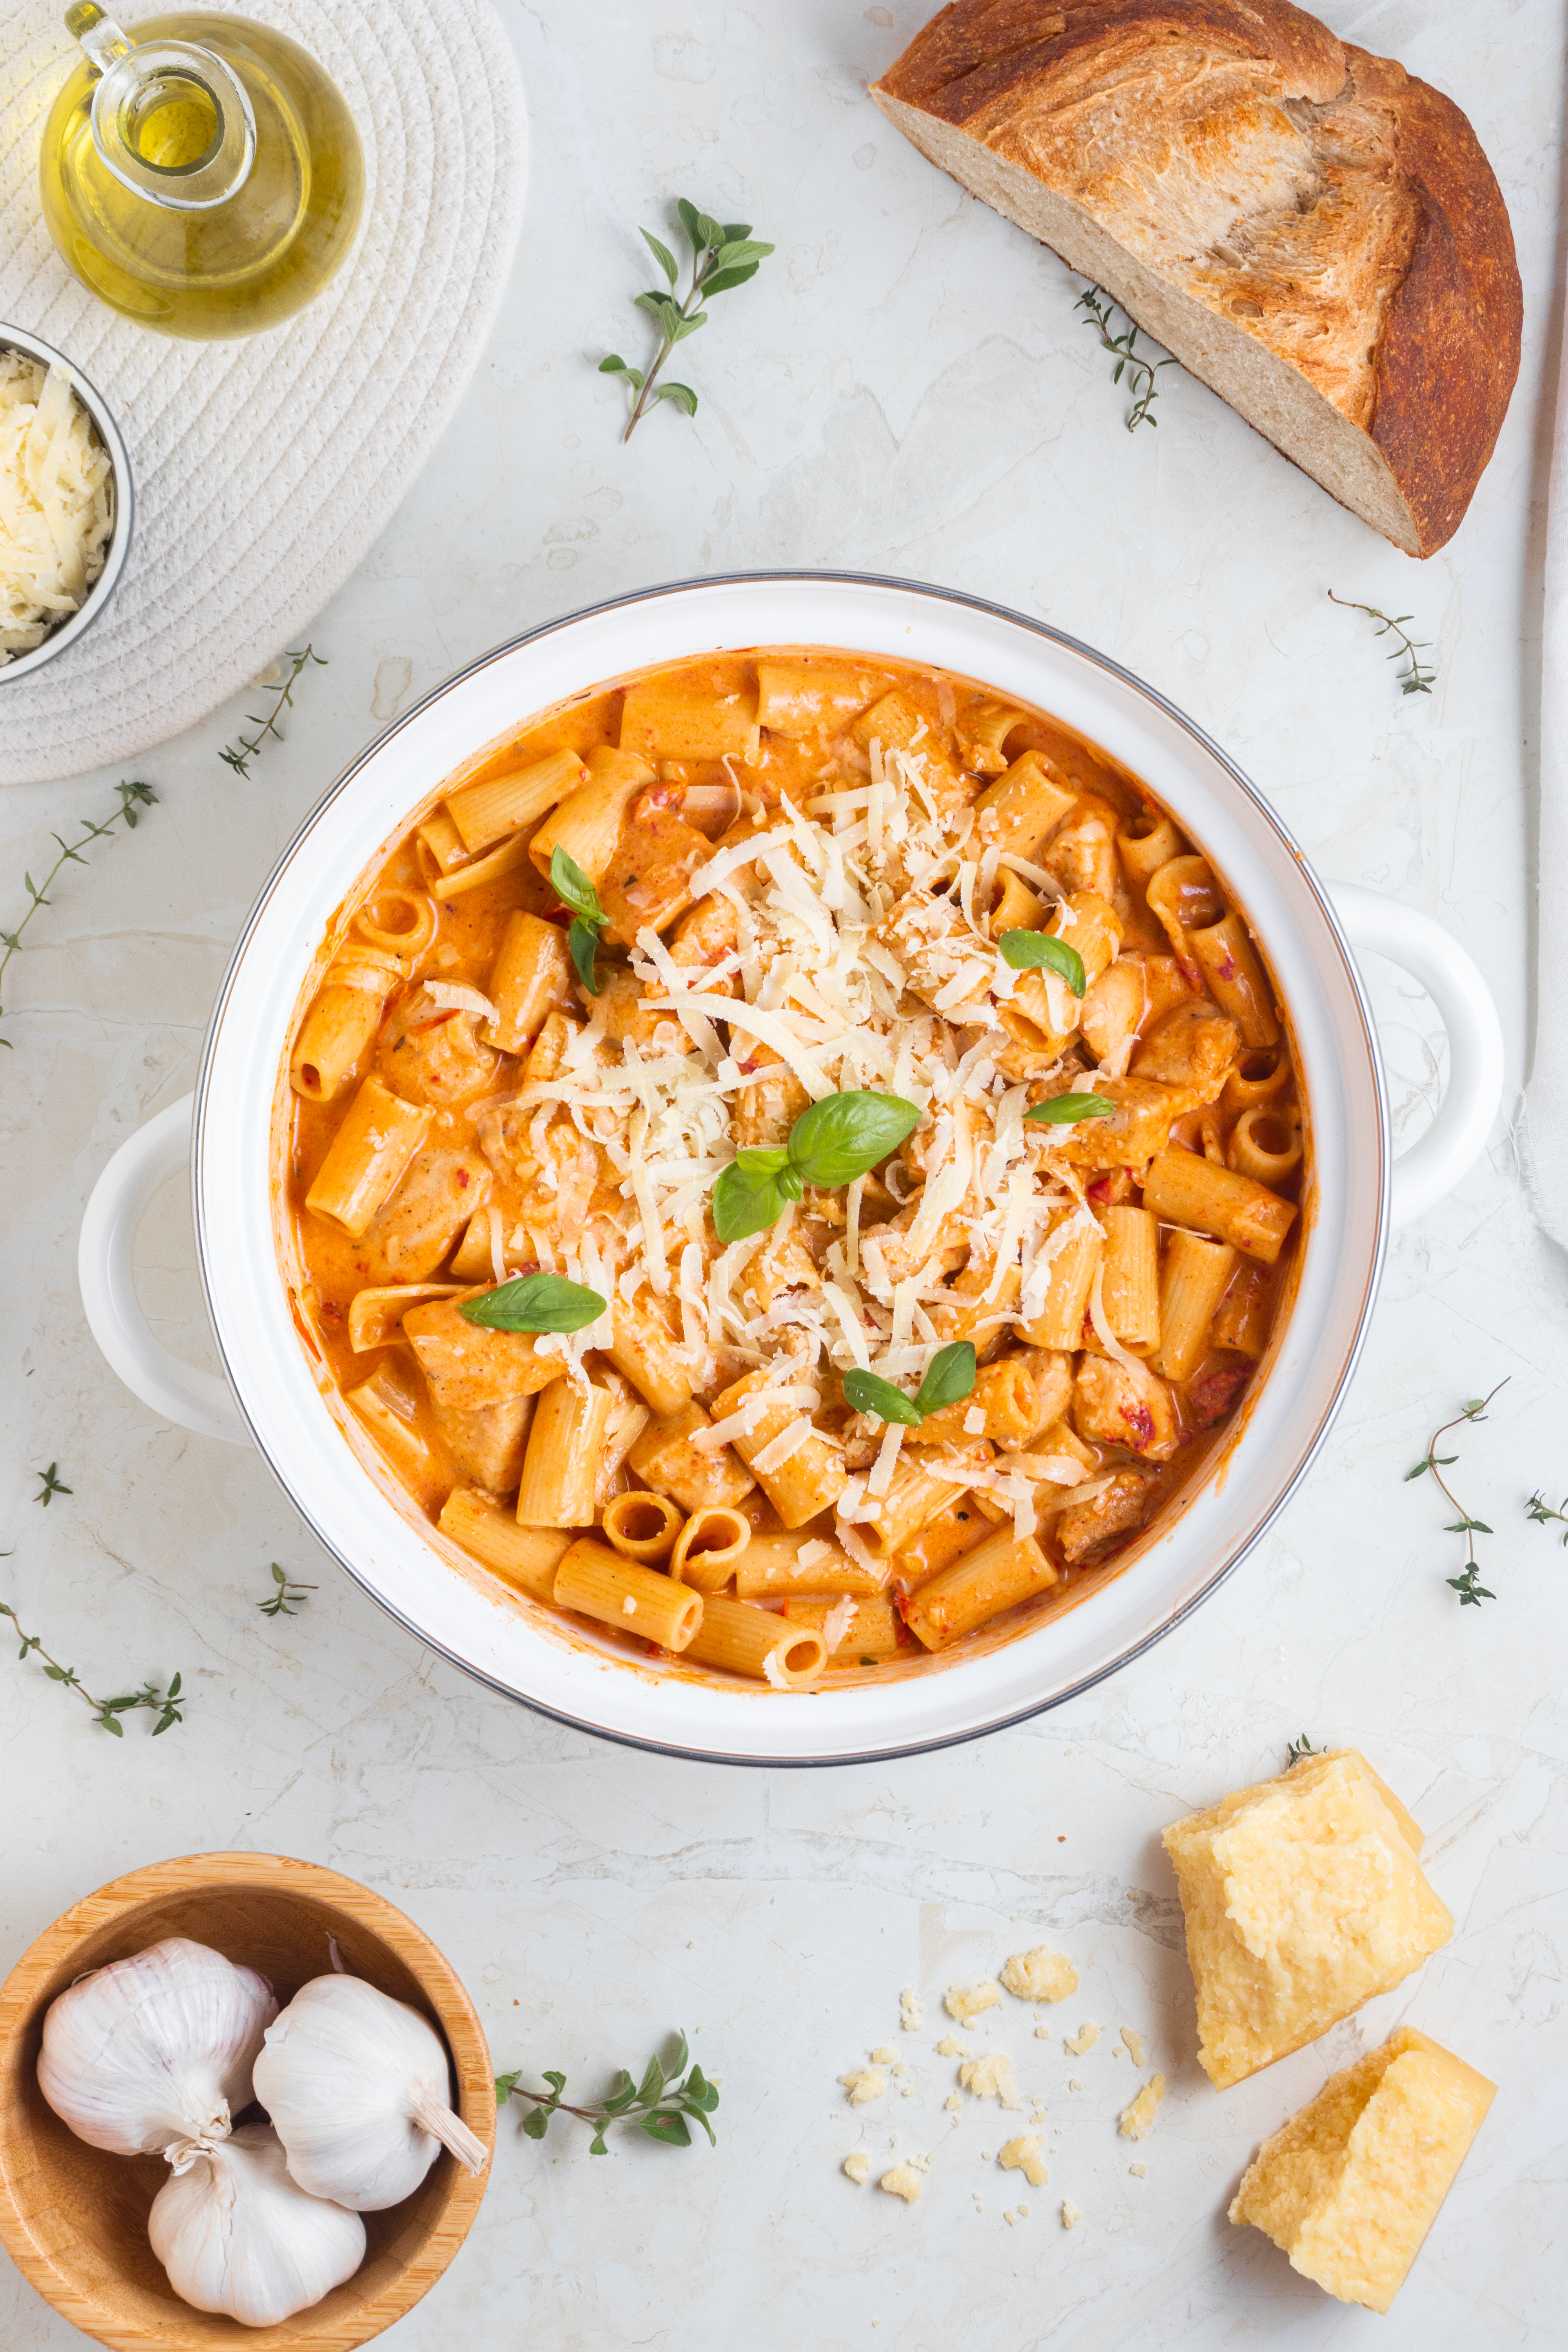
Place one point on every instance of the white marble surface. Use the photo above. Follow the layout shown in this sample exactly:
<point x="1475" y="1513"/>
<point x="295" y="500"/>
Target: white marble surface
<point x="905" y="388"/>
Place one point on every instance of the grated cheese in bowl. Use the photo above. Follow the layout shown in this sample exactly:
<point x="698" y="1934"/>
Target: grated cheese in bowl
<point x="56" y="502"/>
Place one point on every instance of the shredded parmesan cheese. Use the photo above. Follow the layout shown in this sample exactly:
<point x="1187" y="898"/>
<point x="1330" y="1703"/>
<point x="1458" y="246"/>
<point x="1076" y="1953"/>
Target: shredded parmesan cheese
<point x="55" y="502"/>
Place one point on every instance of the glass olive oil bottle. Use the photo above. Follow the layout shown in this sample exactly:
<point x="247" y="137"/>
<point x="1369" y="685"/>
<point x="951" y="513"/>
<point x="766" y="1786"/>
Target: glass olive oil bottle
<point x="200" y="173"/>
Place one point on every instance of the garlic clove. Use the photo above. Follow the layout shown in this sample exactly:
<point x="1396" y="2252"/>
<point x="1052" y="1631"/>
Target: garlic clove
<point x="359" y="2089"/>
<point x="235" y="2234"/>
<point x="156" y="2050"/>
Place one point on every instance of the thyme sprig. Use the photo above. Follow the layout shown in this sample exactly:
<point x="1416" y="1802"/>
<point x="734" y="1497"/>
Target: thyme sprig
<point x="239" y="756"/>
<point x="722" y="255"/>
<point x="1299" y="1749"/>
<point x="1417" y="678"/>
<point x="131" y="797"/>
<point x="1470" y="1591"/>
<point x="107" y="1712"/>
<point x="1540" y="1511"/>
<point x="284" y="1602"/>
<point x="51" y="1484"/>
<point x="1141" y="373"/>
<point x="658" y="2105"/>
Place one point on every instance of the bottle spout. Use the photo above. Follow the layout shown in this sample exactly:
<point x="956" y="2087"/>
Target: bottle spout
<point x="171" y="121"/>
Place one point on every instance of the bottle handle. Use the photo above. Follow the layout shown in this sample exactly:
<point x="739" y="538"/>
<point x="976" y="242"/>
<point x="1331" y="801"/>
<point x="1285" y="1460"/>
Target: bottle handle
<point x="105" y="1258"/>
<point x="1433" y="1165"/>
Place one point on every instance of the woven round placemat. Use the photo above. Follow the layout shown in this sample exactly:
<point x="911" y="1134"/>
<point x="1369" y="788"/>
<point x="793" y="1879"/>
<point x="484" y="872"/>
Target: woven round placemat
<point x="265" y="468"/>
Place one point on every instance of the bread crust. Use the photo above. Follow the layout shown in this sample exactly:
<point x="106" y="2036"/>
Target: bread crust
<point x="1312" y="196"/>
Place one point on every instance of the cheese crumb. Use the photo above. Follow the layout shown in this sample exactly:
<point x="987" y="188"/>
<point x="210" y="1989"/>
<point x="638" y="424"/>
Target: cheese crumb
<point x="1137" y="2121"/>
<point x="898" y="2066"/>
<point x="55" y="493"/>
<point x="1009" y="2217"/>
<point x="1082" y="2041"/>
<point x="1042" y="2032"/>
<point x="1071" y="2217"/>
<point x="991" y="2078"/>
<point x="903" y="2182"/>
<point x="1139" y="2171"/>
<point x="883" y="2057"/>
<point x="1073" y="2084"/>
<point x="966" y="2002"/>
<point x="1135" y="2043"/>
<point x="857" y="2165"/>
<point x="1040" y="1975"/>
<point x="1023" y="2154"/>
<point x="949" y="2046"/>
<point x="955" y="2104"/>
<point x="1023" y="2213"/>
<point x="912" y="2011"/>
<point x="865" y="2083"/>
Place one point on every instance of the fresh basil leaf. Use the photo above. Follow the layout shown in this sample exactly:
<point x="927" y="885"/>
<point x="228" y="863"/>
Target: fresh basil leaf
<point x="867" y="1392"/>
<point x="583" y="943"/>
<point x="723" y="279"/>
<point x="681" y="393"/>
<point x="1039" y="951"/>
<point x="950" y="1377"/>
<point x="669" y="2128"/>
<point x="844" y="1136"/>
<point x="1066" y="1110"/>
<point x="573" y="888"/>
<point x="534" y="1302"/>
<point x="745" y="1201"/>
<point x="662" y="254"/>
<point x="689" y="218"/>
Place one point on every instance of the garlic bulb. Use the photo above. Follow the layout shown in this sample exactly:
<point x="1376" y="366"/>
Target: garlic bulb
<point x="356" y="2084"/>
<point x="155" y="2051"/>
<point x="235" y="2234"/>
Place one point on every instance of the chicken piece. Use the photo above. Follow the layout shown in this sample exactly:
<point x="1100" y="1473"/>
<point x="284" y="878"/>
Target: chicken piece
<point x="704" y="938"/>
<point x="1121" y="1506"/>
<point x="1195" y="1047"/>
<point x="1112" y="1010"/>
<point x="624" y="1007"/>
<point x="968" y="1313"/>
<point x="765" y="1111"/>
<point x="430" y="1053"/>
<point x="784" y="1264"/>
<point x="934" y="945"/>
<point x="1050" y="1369"/>
<point x="656" y="852"/>
<point x="1081" y="853"/>
<point x="1138" y="1127"/>
<point x="482" y="1385"/>
<point x="408" y="1237"/>
<point x="889" y="1257"/>
<point x="1213" y="1394"/>
<point x="556" y="1173"/>
<point x="1125" y="1404"/>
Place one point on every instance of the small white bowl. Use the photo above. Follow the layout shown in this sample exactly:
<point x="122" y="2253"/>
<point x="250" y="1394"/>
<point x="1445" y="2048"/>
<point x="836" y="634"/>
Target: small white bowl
<point x="122" y="497"/>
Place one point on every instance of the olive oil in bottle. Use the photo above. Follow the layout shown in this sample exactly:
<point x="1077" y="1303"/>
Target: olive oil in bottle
<point x="201" y="172"/>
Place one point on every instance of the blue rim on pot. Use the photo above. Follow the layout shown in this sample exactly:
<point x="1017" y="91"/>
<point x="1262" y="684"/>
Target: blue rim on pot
<point x="124" y="494"/>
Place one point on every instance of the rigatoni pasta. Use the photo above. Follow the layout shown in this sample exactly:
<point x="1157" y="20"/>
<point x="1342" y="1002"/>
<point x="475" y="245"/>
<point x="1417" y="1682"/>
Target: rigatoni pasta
<point x="700" y="914"/>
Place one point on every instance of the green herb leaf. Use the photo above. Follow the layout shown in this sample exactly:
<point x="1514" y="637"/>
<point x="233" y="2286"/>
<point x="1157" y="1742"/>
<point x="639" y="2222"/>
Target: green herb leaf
<point x="1066" y="1110"/>
<point x="534" y="1302"/>
<point x="723" y="281"/>
<point x="650" y="2090"/>
<point x="671" y="2129"/>
<point x="662" y="254"/>
<point x="51" y="1484"/>
<point x="536" y="2123"/>
<point x="950" y="1377"/>
<point x="709" y="229"/>
<point x="869" y="1392"/>
<point x="746" y="1200"/>
<point x="558" y="2080"/>
<point x="506" y="2084"/>
<point x="1041" y="951"/>
<point x="676" y="2062"/>
<point x="583" y="946"/>
<point x="690" y="219"/>
<point x="616" y="365"/>
<point x="682" y="395"/>
<point x="739" y="228"/>
<point x="573" y="888"/>
<point x="844" y="1136"/>
<point x="736" y="249"/>
<point x="1300" y="1748"/>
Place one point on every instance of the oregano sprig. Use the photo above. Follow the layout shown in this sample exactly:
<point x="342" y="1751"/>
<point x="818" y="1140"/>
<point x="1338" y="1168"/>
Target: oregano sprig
<point x="1540" y="1511"/>
<point x="285" y="1602"/>
<point x="950" y="1378"/>
<point x="239" y="756"/>
<point x="722" y="255"/>
<point x="659" y="2104"/>
<point x="835" y="1141"/>
<point x="107" y="1712"/>
<point x="1471" y="1591"/>
<point x="1417" y="678"/>
<point x="131" y="798"/>
<point x="1141" y="373"/>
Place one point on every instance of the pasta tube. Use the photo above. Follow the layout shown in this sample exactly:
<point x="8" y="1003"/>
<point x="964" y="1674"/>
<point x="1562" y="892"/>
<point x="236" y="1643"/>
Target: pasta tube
<point x="1265" y="1145"/>
<point x="341" y="1021"/>
<point x="406" y="940"/>
<point x="1131" y="1291"/>
<point x="984" y="729"/>
<point x="527" y="1557"/>
<point x="587" y="823"/>
<point x="1233" y="971"/>
<point x="1019" y="812"/>
<point x="801" y="697"/>
<point x="800" y="1471"/>
<point x="1257" y="1078"/>
<point x="375" y="1317"/>
<point x="1193" y="1281"/>
<point x="1185" y="1190"/>
<point x="742" y="1639"/>
<point x="645" y="1349"/>
<point x="563" y="1457"/>
<point x="484" y="812"/>
<point x="642" y="1526"/>
<point x="944" y="1538"/>
<point x="368" y="1157"/>
<point x="666" y="1459"/>
<point x="1070" y="1279"/>
<point x="1145" y="843"/>
<point x="783" y="1565"/>
<point x="1246" y="1312"/>
<point x="597" y="1582"/>
<point x="995" y="1576"/>
<point x="871" y="1632"/>
<point x="678" y="717"/>
<point x="920" y="1489"/>
<point x="530" y="975"/>
<point x="708" y="1548"/>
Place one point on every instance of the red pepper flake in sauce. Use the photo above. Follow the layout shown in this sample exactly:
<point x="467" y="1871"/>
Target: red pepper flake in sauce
<point x="463" y="1178"/>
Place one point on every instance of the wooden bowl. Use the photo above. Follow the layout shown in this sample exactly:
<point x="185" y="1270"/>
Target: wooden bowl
<point x="74" y="2218"/>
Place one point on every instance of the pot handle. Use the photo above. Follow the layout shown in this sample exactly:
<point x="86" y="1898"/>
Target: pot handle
<point x="1435" y="1163"/>
<point x="119" y="1201"/>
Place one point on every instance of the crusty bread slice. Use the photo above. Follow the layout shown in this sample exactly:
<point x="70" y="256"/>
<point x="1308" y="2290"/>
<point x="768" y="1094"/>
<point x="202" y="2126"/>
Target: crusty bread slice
<point x="1313" y="232"/>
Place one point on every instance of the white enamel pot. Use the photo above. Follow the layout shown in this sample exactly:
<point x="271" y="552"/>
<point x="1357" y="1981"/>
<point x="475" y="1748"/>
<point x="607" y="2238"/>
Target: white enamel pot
<point x="271" y="1399"/>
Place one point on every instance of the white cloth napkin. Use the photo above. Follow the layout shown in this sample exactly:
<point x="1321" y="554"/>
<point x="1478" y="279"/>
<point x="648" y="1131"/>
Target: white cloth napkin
<point x="1544" y="1130"/>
